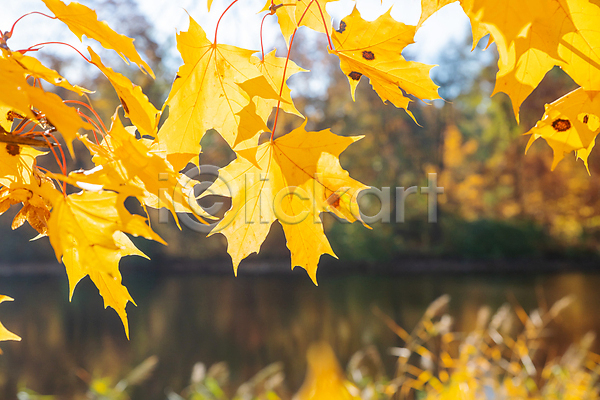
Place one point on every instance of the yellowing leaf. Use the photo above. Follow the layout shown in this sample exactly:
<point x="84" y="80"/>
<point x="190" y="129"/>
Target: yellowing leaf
<point x="82" y="20"/>
<point x="17" y="95"/>
<point x="570" y="123"/>
<point x="430" y="7"/>
<point x="16" y="164"/>
<point x="290" y="12"/>
<point x="86" y="232"/>
<point x="32" y="67"/>
<point x="207" y="95"/>
<point x="580" y="47"/>
<point x="299" y="177"/>
<point x="272" y="68"/>
<point x="13" y="96"/>
<point x="64" y="118"/>
<point x="35" y="210"/>
<point x="5" y="334"/>
<point x="583" y="154"/>
<point x="518" y="79"/>
<point x="374" y="49"/>
<point x="130" y="166"/>
<point x="135" y="103"/>
<point x="533" y="36"/>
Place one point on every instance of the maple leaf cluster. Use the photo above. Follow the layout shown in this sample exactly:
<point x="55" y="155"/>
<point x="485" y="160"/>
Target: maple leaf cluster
<point x="532" y="37"/>
<point x="290" y="178"/>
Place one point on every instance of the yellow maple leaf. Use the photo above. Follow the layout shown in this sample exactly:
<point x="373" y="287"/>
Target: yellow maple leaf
<point x="324" y="377"/>
<point x="133" y="167"/>
<point x="135" y="103"/>
<point x="35" y="210"/>
<point x="430" y="7"/>
<point x="13" y="96"/>
<point x="272" y="69"/>
<point x="374" y="49"/>
<point x="289" y="12"/>
<point x="33" y="67"/>
<point x="579" y="47"/>
<point x="518" y="79"/>
<point x="570" y="123"/>
<point x="5" y="334"/>
<point x="17" y="95"/>
<point x="86" y="230"/>
<point x="286" y="16"/>
<point x="207" y="95"/>
<point x="17" y="164"/>
<point x="82" y="20"/>
<point x="299" y="177"/>
<point x="534" y="36"/>
<point x="583" y="154"/>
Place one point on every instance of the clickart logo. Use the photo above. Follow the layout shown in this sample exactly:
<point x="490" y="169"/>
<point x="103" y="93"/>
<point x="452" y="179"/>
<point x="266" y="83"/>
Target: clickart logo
<point x="252" y="195"/>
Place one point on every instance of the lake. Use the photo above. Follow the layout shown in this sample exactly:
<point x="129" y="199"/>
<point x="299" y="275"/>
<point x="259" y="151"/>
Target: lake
<point x="248" y="322"/>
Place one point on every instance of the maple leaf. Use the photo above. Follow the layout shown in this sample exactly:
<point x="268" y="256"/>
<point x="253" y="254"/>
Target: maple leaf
<point x="534" y="36"/>
<point x="17" y="95"/>
<point x="86" y="230"/>
<point x="430" y="7"/>
<point x="299" y="177"/>
<point x="5" y="334"/>
<point x="17" y="164"/>
<point x="82" y="20"/>
<point x="272" y="68"/>
<point x="134" y="167"/>
<point x="570" y="123"/>
<point x="33" y="67"/>
<point x="374" y="49"/>
<point x="35" y="210"/>
<point x="289" y="12"/>
<point x="207" y="95"/>
<point x="135" y="103"/>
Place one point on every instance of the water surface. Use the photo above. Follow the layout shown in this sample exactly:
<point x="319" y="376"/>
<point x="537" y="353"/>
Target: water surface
<point x="249" y="322"/>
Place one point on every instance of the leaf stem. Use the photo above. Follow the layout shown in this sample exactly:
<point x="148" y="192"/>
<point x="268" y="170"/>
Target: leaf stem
<point x="287" y="59"/>
<point x="21" y="126"/>
<point x="31" y="48"/>
<point x="23" y="16"/>
<point x="91" y="122"/>
<point x="62" y="165"/>
<point x="219" y="21"/>
<point x="262" y="49"/>
<point x="104" y="131"/>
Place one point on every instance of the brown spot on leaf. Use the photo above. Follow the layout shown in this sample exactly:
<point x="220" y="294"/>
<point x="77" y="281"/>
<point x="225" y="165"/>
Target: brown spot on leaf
<point x="124" y="105"/>
<point x="355" y="75"/>
<point x="334" y="200"/>
<point x="368" y="55"/>
<point x="11" y="115"/>
<point x="586" y="118"/>
<point x="13" y="149"/>
<point x="561" y="125"/>
<point x="342" y="27"/>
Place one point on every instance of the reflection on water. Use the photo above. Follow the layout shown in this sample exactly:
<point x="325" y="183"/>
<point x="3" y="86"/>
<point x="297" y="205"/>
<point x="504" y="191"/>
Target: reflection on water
<point x="248" y="322"/>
